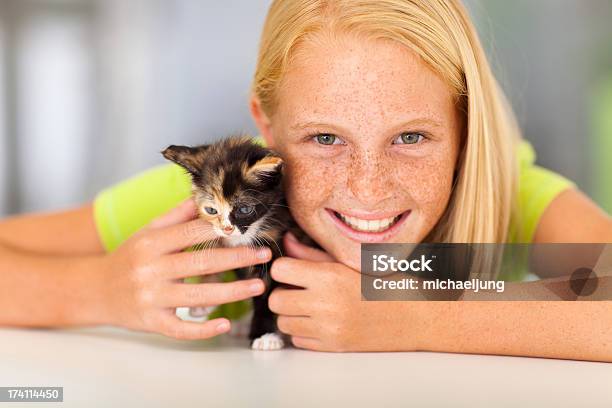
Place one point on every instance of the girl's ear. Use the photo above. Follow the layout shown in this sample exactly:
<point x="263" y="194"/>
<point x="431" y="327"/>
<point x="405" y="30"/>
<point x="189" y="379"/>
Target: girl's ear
<point x="190" y="158"/>
<point x="261" y="120"/>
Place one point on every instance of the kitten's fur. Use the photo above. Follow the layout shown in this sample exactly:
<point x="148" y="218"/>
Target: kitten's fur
<point x="234" y="174"/>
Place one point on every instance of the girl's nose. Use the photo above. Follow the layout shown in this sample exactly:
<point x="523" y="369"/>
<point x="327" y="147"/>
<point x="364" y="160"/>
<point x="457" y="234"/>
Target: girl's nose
<point x="368" y="181"/>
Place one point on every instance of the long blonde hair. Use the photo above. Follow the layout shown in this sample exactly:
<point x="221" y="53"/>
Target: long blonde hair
<point x="440" y="31"/>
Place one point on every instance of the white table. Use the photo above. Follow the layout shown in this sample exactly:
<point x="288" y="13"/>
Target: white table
<point x="108" y="367"/>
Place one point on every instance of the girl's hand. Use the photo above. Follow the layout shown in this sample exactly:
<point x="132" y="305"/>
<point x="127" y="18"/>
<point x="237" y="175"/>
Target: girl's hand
<point x="143" y="279"/>
<point x="328" y="314"/>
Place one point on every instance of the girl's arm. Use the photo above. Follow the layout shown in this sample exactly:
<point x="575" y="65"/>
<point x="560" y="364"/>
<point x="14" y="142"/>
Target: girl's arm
<point x="567" y="330"/>
<point x="50" y="269"/>
<point x="44" y="290"/>
<point x="70" y="232"/>
<point x="573" y="218"/>
<point x="570" y="330"/>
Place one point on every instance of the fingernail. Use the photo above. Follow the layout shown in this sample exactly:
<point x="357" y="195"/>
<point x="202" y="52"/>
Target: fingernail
<point x="291" y="237"/>
<point x="223" y="326"/>
<point x="263" y="253"/>
<point x="256" y="287"/>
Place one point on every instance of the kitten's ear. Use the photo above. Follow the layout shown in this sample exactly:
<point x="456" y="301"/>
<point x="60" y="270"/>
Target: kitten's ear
<point x="268" y="168"/>
<point x="188" y="157"/>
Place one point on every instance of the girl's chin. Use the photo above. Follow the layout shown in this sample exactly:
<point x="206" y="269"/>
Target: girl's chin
<point x="349" y="253"/>
<point x="350" y="257"/>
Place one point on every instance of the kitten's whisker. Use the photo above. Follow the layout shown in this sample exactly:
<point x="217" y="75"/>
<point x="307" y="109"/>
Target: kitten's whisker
<point x="198" y="246"/>
<point x="264" y="273"/>
<point x="210" y="245"/>
<point x="267" y="224"/>
<point x="265" y="234"/>
<point x="206" y="245"/>
<point x="280" y="205"/>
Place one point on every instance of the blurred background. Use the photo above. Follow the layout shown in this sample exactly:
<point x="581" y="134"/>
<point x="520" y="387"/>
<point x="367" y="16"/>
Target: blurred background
<point x="92" y="90"/>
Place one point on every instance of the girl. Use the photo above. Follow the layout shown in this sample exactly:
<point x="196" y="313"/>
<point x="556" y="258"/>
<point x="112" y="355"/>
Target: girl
<point x="385" y="111"/>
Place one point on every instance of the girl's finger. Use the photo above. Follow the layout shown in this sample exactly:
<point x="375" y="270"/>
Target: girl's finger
<point x="297" y="326"/>
<point x="290" y="302"/>
<point x="174" y="238"/>
<point x="306" y="343"/>
<point x="209" y="294"/>
<point x="209" y="261"/>
<point x="294" y="272"/>
<point x="174" y="231"/>
<point x="183" y="212"/>
<point x="296" y="249"/>
<point x="174" y="327"/>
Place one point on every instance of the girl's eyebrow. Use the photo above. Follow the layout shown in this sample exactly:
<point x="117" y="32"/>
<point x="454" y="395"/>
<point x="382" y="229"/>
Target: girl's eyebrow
<point x="304" y="125"/>
<point x="424" y="121"/>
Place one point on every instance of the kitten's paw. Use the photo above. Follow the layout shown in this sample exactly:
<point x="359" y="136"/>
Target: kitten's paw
<point x="201" y="311"/>
<point x="269" y="341"/>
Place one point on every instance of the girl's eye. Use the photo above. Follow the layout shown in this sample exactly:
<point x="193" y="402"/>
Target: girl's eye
<point x="327" y="139"/>
<point x="409" y="138"/>
<point x="245" y="209"/>
<point x="210" y="210"/>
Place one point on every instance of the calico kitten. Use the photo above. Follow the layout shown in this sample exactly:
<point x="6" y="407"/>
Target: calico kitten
<point x="237" y="186"/>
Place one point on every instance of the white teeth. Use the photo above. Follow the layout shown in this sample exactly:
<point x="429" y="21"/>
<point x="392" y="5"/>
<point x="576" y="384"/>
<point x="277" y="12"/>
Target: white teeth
<point x="374" y="225"/>
<point x="368" y="225"/>
<point x="363" y="225"/>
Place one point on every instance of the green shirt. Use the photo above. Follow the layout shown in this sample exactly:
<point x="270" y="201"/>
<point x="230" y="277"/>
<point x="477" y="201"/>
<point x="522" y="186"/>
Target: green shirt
<point x="122" y="209"/>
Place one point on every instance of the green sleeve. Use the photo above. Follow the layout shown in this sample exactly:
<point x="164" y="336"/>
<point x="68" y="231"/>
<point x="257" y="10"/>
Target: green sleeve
<point x="126" y="207"/>
<point x="537" y="188"/>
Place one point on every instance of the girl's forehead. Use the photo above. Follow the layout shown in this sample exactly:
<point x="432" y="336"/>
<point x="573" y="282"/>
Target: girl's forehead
<point x="371" y="79"/>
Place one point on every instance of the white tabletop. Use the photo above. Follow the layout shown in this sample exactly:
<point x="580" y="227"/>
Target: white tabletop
<point x="111" y="367"/>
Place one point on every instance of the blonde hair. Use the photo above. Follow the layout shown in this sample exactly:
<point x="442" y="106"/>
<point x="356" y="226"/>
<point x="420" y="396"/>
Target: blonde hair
<point x="441" y="33"/>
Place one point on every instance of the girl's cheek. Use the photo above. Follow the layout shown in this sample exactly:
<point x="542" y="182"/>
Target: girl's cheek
<point x="311" y="182"/>
<point x="428" y="182"/>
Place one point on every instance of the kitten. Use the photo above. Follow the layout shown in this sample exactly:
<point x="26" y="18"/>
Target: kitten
<point x="237" y="186"/>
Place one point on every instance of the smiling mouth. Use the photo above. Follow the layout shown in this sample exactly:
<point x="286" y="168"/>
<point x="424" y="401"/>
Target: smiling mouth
<point x="371" y="226"/>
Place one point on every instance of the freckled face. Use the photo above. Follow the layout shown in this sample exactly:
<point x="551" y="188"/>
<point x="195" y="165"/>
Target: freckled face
<point x="370" y="136"/>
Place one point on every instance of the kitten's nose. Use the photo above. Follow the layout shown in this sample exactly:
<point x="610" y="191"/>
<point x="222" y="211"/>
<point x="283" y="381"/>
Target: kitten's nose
<point x="228" y="229"/>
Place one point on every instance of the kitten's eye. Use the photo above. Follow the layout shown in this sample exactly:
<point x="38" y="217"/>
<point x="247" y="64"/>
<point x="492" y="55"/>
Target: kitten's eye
<point x="210" y="210"/>
<point x="409" y="138"/>
<point x="246" y="209"/>
<point x="327" y="139"/>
